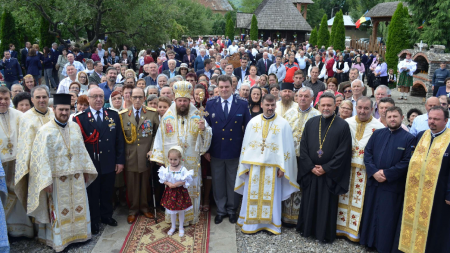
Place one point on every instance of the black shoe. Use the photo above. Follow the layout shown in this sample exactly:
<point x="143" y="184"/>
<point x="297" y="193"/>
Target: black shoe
<point x="95" y="228"/>
<point x="233" y="218"/>
<point x="219" y="219"/>
<point x="109" y="221"/>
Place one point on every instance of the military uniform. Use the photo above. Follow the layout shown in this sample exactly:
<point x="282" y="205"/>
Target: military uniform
<point x="105" y="145"/>
<point x="12" y="70"/>
<point x="139" y="138"/>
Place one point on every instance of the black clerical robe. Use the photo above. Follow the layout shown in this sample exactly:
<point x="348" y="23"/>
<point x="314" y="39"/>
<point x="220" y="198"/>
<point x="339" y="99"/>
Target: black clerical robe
<point x="318" y="209"/>
<point x="389" y="151"/>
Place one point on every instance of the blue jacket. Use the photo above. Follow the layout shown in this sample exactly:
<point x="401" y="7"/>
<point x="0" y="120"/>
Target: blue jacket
<point x="110" y="148"/>
<point x="14" y="54"/>
<point x="55" y="54"/>
<point x="12" y="70"/>
<point x="441" y="91"/>
<point x="166" y="64"/>
<point x="228" y="134"/>
<point x="33" y="65"/>
<point x="439" y="77"/>
<point x="48" y="61"/>
<point x="202" y="71"/>
<point x="24" y="55"/>
<point x="198" y="63"/>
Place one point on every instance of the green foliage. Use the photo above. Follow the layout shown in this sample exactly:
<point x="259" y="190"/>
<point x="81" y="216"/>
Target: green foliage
<point x="229" y="26"/>
<point x="46" y="39"/>
<point x="436" y="15"/>
<point x="249" y="6"/>
<point x="8" y="32"/>
<point x="313" y="37"/>
<point x="314" y="14"/>
<point x="336" y="20"/>
<point x="339" y="39"/>
<point x="323" y="36"/>
<point x="254" y="29"/>
<point x="398" y="36"/>
<point x="219" y="26"/>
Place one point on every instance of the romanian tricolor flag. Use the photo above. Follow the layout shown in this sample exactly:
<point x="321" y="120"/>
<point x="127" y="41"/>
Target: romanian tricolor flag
<point x="362" y="20"/>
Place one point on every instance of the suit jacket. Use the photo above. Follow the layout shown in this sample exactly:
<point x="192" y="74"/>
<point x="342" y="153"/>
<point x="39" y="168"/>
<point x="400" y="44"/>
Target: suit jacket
<point x="95" y="78"/>
<point x="181" y="51"/>
<point x="258" y="57"/>
<point x="12" y="70"/>
<point x="167" y="72"/>
<point x="262" y="68"/>
<point x="189" y="62"/>
<point x="166" y="66"/>
<point x="198" y="63"/>
<point x="146" y="128"/>
<point x="33" y="65"/>
<point x="109" y="150"/>
<point x="227" y="132"/>
<point x="24" y="56"/>
<point x="238" y="72"/>
<point x="14" y="54"/>
<point x="202" y="71"/>
<point x="55" y="54"/>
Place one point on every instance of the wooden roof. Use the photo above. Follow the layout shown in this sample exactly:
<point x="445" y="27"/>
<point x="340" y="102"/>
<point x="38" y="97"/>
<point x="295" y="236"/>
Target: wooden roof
<point x="383" y="9"/>
<point x="302" y="1"/>
<point x="216" y="5"/>
<point x="275" y="15"/>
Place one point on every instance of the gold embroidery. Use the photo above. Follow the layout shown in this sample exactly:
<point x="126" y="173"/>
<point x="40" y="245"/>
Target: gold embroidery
<point x="256" y="127"/>
<point x="286" y="156"/>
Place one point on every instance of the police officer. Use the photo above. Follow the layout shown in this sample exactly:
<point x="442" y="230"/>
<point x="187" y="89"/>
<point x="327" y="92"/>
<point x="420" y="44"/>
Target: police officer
<point x="11" y="66"/>
<point x="140" y="124"/>
<point x="103" y="138"/>
<point x="228" y="117"/>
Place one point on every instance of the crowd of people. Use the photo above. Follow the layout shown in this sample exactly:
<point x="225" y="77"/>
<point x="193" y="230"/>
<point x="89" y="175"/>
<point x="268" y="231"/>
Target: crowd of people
<point x="287" y="134"/>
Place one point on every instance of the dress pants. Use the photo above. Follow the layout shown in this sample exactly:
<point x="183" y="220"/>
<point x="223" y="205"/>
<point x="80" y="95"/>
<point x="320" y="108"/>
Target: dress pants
<point x="223" y="172"/>
<point x="99" y="196"/>
<point x="138" y="189"/>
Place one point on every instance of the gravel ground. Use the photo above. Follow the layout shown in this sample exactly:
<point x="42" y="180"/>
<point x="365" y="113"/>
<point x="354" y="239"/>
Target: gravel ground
<point x="26" y="245"/>
<point x="291" y="241"/>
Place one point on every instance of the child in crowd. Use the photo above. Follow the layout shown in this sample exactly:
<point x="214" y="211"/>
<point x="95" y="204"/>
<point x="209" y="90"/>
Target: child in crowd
<point x="392" y="80"/>
<point x="176" y="198"/>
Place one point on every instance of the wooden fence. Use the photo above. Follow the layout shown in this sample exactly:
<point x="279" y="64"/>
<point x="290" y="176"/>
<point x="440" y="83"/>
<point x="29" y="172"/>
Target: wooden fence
<point x="368" y="46"/>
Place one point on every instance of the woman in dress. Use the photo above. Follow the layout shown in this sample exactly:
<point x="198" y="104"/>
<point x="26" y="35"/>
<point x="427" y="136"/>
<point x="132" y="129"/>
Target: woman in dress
<point x="252" y="77"/>
<point x="381" y="72"/>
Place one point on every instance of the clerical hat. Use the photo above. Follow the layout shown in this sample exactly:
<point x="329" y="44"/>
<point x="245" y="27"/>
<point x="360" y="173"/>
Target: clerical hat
<point x="62" y="99"/>
<point x="287" y="86"/>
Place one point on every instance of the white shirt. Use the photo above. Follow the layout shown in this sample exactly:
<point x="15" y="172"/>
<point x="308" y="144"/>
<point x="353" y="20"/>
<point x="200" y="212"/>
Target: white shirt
<point x="354" y="106"/>
<point x="64" y="85"/>
<point x="233" y="49"/>
<point x="78" y="65"/>
<point x="94" y="113"/>
<point x="230" y="100"/>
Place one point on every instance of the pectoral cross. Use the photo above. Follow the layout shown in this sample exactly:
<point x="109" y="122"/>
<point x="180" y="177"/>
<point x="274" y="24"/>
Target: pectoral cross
<point x="201" y="111"/>
<point x="69" y="155"/>
<point x="263" y="145"/>
<point x="320" y="153"/>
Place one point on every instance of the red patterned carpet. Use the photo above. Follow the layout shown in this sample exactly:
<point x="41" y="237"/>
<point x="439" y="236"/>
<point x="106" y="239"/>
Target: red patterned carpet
<point x="146" y="236"/>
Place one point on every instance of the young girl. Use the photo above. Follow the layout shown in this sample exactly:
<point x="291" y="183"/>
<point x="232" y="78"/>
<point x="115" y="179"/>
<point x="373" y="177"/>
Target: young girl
<point x="392" y="80"/>
<point x="176" y="196"/>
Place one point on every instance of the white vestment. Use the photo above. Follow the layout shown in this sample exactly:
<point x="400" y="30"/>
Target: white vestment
<point x="183" y="131"/>
<point x="267" y="147"/>
<point x="281" y="110"/>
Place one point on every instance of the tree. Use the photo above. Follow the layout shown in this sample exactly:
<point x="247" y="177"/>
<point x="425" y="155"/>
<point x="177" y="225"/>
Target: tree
<point x="323" y="36"/>
<point x="398" y="36"/>
<point x="254" y="28"/>
<point x="334" y="27"/>
<point x="249" y="6"/>
<point x="315" y="12"/>
<point x="45" y="39"/>
<point x="230" y="26"/>
<point x="313" y="37"/>
<point x="8" y="32"/>
<point x="339" y="39"/>
<point x="219" y="26"/>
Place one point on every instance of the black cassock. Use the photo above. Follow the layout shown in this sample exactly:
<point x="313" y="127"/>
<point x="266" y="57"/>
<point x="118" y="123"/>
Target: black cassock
<point x="390" y="152"/>
<point x="318" y="209"/>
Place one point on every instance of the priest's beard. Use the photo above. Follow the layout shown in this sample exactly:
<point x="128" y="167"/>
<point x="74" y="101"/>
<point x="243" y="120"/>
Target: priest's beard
<point x="286" y="101"/>
<point x="326" y="113"/>
<point x="182" y="111"/>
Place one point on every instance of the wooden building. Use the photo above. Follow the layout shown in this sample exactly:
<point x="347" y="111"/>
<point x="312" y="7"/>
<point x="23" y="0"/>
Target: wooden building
<point x="217" y="6"/>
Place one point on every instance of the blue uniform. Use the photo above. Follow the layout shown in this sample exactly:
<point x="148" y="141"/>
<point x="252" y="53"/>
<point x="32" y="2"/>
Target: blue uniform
<point x="227" y="133"/>
<point x="12" y="69"/>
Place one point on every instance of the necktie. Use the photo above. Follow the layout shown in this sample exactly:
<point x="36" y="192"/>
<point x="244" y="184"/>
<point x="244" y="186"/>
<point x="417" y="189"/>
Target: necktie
<point x="137" y="117"/>
<point x="225" y="109"/>
<point x="98" y="119"/>
<point x="265" y="63"/>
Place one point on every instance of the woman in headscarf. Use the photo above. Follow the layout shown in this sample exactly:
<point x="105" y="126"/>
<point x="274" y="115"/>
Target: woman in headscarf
<point x="162" y="58"/>
<point x="254" y="101"/>
<point x="116" y="101"/>
<point x="83" y="80"/>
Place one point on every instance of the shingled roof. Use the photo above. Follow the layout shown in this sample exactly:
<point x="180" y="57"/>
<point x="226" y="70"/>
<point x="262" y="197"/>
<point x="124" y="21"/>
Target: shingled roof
<point x="216" y="5"/>
<point x="384" y="9"/>
<point x="275" y="15"/>
<point x="302" y="1"/>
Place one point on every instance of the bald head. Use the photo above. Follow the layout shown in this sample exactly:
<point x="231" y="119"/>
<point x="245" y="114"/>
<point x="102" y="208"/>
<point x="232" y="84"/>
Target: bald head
<point x="432" y="101"/>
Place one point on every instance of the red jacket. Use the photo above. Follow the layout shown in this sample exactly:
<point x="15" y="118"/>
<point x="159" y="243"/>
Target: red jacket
<point x="329" y="67"/>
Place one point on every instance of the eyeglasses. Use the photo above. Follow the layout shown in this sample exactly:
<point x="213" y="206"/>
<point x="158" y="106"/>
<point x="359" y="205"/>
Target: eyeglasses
<point x="347" y="91"/>
<point x="137" y="97"/>
<point x="97" y="97"/>
<point x="74" y="88"/>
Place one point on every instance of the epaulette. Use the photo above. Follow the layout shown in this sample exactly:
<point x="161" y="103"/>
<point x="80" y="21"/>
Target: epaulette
<point x="150" y="109"/>
<point x="78" y="113"/>
<point x="211" y="98"/>
<point x="123" y="111"/>
<point x="241" y="98"/>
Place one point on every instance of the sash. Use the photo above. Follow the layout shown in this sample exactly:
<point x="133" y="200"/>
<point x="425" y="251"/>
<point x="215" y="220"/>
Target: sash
<point x="261" y="191"/>
<point x="423" y="173"/>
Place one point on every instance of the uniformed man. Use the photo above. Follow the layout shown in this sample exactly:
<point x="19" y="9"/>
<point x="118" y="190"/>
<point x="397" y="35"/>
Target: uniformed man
<point x="103" y="138"/>
<point x="13" y="73"/>
<point x="228" y="117"/>
<point x="140" y="124"/>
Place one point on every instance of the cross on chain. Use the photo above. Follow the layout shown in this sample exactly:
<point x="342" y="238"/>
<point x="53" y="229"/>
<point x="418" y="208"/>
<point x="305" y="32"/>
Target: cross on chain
<point x="263" y="145"/>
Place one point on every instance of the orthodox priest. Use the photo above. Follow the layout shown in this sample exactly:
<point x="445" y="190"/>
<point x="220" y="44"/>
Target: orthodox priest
<point x="184" y="126"/>
<point x="10" y="119"/>
<point x="324" y="170"/>
<point x="267" y="170"/>
<point x="32" y="120"/>
<point x="297" y="118"/>
<point x="351" y="204"/>
<point x="425" y="224"/>
<point x="287" y="99"/>
<point x="386" y="158"/>
<point x="60" y="171"/>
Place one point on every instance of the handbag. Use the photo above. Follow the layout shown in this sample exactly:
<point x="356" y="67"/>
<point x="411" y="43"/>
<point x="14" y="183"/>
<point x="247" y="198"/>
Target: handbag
<point x="376" y="82"/>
